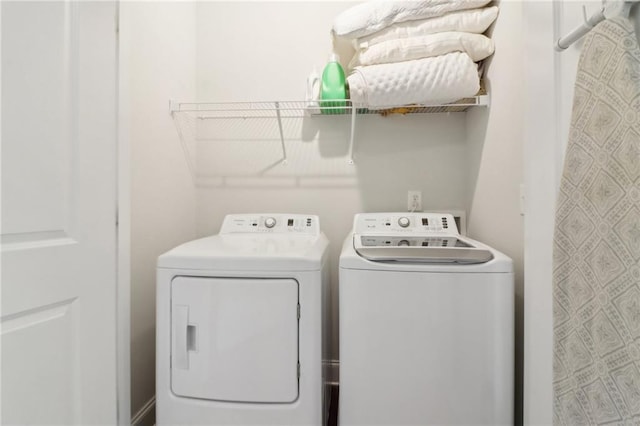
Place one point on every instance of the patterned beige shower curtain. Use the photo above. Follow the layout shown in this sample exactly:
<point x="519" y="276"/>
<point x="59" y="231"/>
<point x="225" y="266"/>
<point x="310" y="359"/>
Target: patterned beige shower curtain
<point x="596" y="277"/>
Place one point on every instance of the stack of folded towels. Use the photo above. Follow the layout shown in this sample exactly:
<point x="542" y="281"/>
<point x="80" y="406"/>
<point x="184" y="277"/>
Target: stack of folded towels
<point x="415" y="52"/>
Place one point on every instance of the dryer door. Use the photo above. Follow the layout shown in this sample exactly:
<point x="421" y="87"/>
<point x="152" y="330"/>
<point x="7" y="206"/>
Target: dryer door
<point x="234" y="339"/>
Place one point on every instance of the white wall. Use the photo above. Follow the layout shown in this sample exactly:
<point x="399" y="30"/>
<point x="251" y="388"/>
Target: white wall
<point x="495" y="152"/>
<point x="540" y="141"/>
<point x="549" y="78"/>
<point x="158" y="63"/>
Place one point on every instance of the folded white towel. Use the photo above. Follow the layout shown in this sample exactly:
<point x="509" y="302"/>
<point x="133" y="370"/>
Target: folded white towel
<point x="437" y="80"/>
<point x="470" y="21"/>
<point x="372" y="16"/>
<point x="476" y="46"/>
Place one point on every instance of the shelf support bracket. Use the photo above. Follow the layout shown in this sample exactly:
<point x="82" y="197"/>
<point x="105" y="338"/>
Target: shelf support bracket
<point x="173" y="106"/>
<point x="484" y="100"/>
<point x="284" y="149"/>
<point x="352" y="133"/>
<point x="185" y="147"/>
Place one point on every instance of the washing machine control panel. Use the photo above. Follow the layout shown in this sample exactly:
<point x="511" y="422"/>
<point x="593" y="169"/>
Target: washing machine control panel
<point x="271" y="224"/>
<point x="405" y="223"/>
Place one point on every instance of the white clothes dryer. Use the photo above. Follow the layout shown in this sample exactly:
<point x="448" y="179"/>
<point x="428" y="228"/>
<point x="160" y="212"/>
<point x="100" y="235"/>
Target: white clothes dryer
<point x="239" y="324"/>
<point x="426" y="325"/>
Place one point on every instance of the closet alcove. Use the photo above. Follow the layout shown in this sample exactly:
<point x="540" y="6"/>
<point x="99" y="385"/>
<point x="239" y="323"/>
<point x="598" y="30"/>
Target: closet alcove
<point x="187" y="172"/>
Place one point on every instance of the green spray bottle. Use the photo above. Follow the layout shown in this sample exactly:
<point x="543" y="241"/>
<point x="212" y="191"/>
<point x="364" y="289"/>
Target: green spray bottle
<point x="333" y="92"/>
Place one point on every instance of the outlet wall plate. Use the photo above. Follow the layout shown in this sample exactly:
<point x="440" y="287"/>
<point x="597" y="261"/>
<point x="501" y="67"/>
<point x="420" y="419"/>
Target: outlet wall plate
<point x="414" y="200"/>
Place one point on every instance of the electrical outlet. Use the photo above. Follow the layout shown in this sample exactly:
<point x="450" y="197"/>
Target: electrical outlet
<point x="414" y="201"/>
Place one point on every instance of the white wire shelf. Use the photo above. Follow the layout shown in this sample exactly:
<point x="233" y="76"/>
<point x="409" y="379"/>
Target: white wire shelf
<point x="279" y="110"/>
<point x="294" y="109"/>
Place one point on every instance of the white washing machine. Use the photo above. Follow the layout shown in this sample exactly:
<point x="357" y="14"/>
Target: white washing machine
<point x="426" y="325"/>
<point x="239" y="324"/>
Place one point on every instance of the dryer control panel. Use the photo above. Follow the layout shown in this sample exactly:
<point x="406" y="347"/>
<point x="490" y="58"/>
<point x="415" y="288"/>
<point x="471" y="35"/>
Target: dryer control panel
<point x="276" y="223"/>
<point x="405" y="223"/>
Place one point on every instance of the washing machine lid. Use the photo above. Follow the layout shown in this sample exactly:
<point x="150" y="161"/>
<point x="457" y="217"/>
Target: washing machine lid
<point x="426" y="249"/>
<point x="416" y="242"/>
<point x="415" y="237"/>
<point x="260" y="242"/>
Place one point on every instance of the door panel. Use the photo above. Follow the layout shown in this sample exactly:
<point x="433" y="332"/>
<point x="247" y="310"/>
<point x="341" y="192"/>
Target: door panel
<point x="235" y="339"/>
<point x="26" y="336"/>
<point x="36" y="113"/>
<point x="58" y="212"/>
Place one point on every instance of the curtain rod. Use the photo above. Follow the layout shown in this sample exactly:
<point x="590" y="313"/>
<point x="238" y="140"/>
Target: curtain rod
<point x="619" y="7"/>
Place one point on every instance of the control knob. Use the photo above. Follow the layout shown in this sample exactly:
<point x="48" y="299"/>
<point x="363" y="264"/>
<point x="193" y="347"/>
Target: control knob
<point x="404" y="222"/>
<point x="270" y="222"/>
<point x="403" y="243"/>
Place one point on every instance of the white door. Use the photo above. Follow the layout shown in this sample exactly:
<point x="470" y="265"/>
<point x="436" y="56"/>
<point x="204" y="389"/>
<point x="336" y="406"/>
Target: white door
<point x="58" y="212"/>
<point x="235" y="339"/>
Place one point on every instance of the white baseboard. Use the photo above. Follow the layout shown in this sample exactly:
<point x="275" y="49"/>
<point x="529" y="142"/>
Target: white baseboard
<point x="146" y="416"/>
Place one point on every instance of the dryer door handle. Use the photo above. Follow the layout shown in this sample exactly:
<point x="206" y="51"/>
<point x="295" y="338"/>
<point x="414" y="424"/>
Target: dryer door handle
<point x="180" y="354"/>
